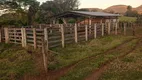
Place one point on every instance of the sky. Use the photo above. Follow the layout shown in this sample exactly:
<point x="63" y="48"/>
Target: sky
<point x="105" y="3"/>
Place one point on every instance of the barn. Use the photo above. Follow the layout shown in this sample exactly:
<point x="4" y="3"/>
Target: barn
<point x="85" y="17"/>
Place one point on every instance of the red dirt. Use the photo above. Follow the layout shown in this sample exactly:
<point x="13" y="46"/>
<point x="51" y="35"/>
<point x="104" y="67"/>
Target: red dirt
<point x="97" y="73"/>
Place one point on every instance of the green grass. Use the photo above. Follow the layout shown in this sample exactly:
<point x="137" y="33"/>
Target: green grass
<point x="84" y="68"/>
<point x="127" y="19"/>
<point x="15" y="62"/>
<point x="128" y="68"/>
<point x="75" y="52"/>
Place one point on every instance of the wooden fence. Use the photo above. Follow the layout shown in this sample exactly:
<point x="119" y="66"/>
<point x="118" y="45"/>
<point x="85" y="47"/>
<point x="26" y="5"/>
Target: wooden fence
<point x="61" y="34"/>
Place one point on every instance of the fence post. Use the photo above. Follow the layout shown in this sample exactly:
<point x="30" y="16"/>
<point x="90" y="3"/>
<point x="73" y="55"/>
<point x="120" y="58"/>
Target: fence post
<point x="75" y="30"/>
<point x="116" y="27"/>
<point x="34" y="38"/>
<point x="95" y="30"/>
<point x="24" y="38"/>
<point x="45" y="55"/>
<point x="109" y="28"/>
<point x="124" y="28"/>
<point x="6" y="35"/>
<point x="46" y="38"/>
<point x="62" y="36"/>
<point x="102" y="29"/>
<point x="86" y="32"/>
<point x="0" y="34"/>
<point x="45" y="48"/>
<point x="133" y="27"/>
<point x="14" y="34"/>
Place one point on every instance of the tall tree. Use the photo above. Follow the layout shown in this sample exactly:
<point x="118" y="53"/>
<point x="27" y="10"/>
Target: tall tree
<point x="50" y="8"/>
<point x="130" y="12"/>
<point x="33" y="9"/>
<point x="22" y="7"/>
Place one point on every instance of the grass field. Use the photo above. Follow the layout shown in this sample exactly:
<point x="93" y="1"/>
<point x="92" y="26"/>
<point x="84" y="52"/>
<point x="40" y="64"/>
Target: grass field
<point x="15" y="62"/>
<point x="84" y="68"/>
<point x="75" y="52"/>
<point x="127" y="19"/>
<point x="128" y="68"/>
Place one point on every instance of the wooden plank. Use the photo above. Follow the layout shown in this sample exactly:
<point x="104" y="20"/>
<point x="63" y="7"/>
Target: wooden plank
<point x="30" y="41"/>
<point x="46" y="38"/>
<point x="0" y="34"/>
<point x="124" y="28"/>
<point x="15" y="39"/>
<point x="109" y="28"/>
<point x="34" y="38"/>
<point x="24" y="38"/>
<point x="95" y="30"/>
<point x="102" y="29"/>
<point x="39" y="34"/>
<point x="54" y="37"/>
<point x="76" y="36"/>
<point x="62" y="36"/>
<point x="53" y="46"/>
<point x="86" y="33"/>
<point x="81" y="33"/>
<point x="116" y="27"/>
<point x="66" y="39"/>
<point x="54" y="41"/>
<point x="6" y="35"/>
<point x="69" y="35"/>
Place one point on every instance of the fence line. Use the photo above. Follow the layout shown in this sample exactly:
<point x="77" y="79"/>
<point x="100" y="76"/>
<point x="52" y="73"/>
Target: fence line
<point x="60" y="35"/>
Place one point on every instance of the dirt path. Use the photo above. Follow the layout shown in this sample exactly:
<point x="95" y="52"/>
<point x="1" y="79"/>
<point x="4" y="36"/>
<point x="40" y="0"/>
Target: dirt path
<point x="97" y="73"/>
<point x="54" y="75"/>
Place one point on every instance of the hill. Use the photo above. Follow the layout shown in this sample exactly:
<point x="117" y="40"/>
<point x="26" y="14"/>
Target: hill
<point x="114" y="9"/>
<point x="117" y="9"/>
<point x="139" y="9"/>
<point x="122" y="9"/>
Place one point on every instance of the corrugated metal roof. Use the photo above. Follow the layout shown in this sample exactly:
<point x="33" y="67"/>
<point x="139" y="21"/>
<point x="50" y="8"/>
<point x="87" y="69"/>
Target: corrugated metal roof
<point x="103" y="14"/>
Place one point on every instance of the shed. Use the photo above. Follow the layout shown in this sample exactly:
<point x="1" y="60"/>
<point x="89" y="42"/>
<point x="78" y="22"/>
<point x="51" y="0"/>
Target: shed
<point x="85" y="17"/>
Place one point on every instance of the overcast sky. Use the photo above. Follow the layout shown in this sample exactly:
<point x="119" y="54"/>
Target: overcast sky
<point x="105" y="3"/>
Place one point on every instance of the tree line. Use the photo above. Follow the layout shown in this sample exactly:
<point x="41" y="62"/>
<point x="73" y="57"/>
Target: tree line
<point x="29" y="12"/>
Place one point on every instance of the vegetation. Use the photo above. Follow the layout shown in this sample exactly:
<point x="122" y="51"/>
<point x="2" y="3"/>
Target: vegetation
<point x="127" y="19"/>
<point x="31" y="12"/>
<point x="84" y="68"/>
<point x="130" y="12"/>
<point x="15" y="62"/>
<point x="127" y="68"/>
<point x="73" y="53"/>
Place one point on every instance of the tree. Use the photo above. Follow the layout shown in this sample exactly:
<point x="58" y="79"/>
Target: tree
<point x="130" y="12"/>
<point x="22" y="7"/>
<point x="33" y="9"/>
<point x="129" y="8"/>
<point x="50" y="8"/>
